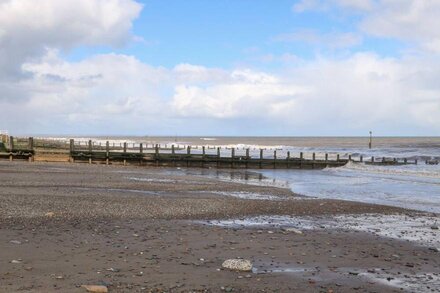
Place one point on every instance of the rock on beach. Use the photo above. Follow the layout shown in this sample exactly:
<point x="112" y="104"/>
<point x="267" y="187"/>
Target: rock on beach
<point x="95" y="288"/>
<point x="241" y="265"/>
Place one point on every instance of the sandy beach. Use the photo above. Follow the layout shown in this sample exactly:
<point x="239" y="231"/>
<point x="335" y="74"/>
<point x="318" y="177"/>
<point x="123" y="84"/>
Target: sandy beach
<point x="135" y="229"/>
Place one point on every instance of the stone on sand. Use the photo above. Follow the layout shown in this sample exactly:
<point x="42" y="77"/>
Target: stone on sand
<point x="293" y="230"/>
<point x="95" y="288"/>
<point x="242" y="265"/>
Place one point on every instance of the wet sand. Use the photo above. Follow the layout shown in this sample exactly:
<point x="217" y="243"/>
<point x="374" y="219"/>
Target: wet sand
<point x="142" y="230"/>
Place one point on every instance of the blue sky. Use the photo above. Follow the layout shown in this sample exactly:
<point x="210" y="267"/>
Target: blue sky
<point x="226" y="33"/>
<point x="226" y="67"/>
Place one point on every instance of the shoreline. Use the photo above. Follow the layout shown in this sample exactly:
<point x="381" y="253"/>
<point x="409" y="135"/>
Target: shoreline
<point x="75" y="222"/>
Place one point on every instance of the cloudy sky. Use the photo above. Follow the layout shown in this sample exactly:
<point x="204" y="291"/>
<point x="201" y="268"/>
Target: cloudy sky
<point x="224" y="67"/>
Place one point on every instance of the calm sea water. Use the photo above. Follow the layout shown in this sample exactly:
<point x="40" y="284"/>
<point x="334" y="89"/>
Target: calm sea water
<point x="410" y="186"/>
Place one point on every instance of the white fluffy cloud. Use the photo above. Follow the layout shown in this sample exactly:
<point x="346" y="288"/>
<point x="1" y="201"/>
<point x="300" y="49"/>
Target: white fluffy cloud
<point x="411" y="20"/>
<point x="414" y="21"/>
<point x="29" y="27"/>
<point x="350" y="95"/>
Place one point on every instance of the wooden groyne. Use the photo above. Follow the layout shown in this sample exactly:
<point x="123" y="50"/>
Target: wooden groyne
<point x="172" y="155"/>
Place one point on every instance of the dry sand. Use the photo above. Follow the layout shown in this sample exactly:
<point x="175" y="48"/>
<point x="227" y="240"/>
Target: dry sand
<point x="132" y="229"/>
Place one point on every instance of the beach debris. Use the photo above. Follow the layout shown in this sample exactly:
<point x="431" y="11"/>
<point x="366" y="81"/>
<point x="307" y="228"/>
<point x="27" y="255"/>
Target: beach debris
<point x="95" y="288"/>
<point x="114" y="270"/>
<point x="434" y="227"/>
<point x="15" y="242"/>
<point x="242" y="265"/>
<point x="291" y="229"/>
<point x="16" y="261"/>
<point x="49" y="214"/>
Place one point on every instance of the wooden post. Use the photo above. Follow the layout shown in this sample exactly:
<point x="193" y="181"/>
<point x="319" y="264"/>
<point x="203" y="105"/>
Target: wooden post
<point x="218" y="157"/>
<point x="326" y="157"/>
<point x="173" y="152"/>
<point x="361" y="159"/>
<point x="72" y="149"/>
<point x="301" y="155"/>
<point x="156" y="154"/>
<point x="247" y="158"/>
<point x="337" y="158"/>
<point x="261" y="158"/>
<point x="372" y="159"/>
<point x="90" y="151"/>
<point x="141" y="152"/>
<point x="370" y="143"/>
<point x="188" y="152"/>
<point x="11" y="143"/>
<point x="274" y="159"/>
<point x="125" y="151"/>
<point x="31" y="148"/>
<point x="349" y="158"/>
<point x="405" y="160"/>
<point x="107" y="152"/>
<point x="288" y="159"/>
<point x="11" y="147"/>
<point x="415" y="161"/>
<point x="232" y="157"/>
<point x="313" y="156"/>
<point x="31" y="143"/>
<point x="383" y="159"/>
<point x="203" y="156"/>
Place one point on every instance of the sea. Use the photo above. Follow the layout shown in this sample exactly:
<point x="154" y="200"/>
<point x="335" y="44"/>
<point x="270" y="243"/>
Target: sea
<point x="409" y="186"/>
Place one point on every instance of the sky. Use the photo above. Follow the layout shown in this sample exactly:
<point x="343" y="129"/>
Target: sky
<point x="223" y="67"/>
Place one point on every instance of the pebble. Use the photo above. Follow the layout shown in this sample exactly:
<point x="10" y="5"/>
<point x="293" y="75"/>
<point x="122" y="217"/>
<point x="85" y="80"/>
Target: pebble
<point x="16" y="261"/>
<point x="293" y="230"/>
<point x="238" y="265"/>
<point x="95" y="288"/>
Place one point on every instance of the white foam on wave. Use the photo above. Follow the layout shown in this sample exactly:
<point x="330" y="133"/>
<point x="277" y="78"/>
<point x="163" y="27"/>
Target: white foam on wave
<point x="431" y="171"/>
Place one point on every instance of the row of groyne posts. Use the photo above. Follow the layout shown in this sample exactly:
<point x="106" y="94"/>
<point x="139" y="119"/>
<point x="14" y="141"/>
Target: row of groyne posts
<point x="173" y="155"/>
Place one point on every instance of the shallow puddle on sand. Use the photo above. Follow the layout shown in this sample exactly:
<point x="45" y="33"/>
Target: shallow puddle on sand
<point x="278" y="270"/>
<point x="416" y="229"/>
<point x="247" y="195"/>
<point x="120" y="190"/>
<point x="153" y="180"/>
<point x="421" y="282"/>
